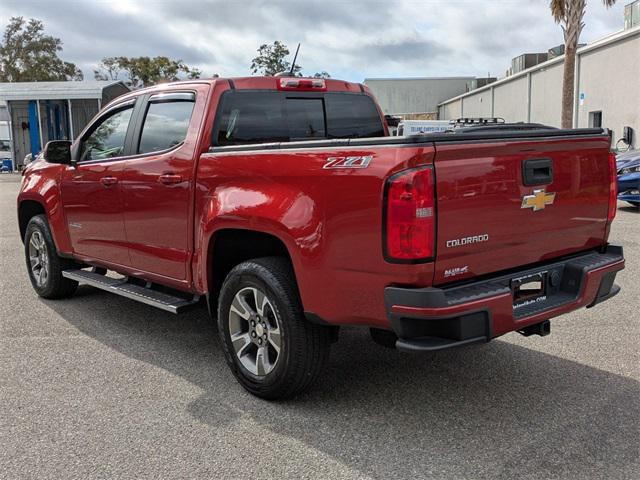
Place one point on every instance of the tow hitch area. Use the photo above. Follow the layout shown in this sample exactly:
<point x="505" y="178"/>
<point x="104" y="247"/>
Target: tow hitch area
<point x="543" y="329"/>
<point x="431" y="318"/>
<point x="529" y="289"/>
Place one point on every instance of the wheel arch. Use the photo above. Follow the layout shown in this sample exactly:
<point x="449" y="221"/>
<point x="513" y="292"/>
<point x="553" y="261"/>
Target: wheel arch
<point x="27" y="209"/>
<point x="40" y="194"/>
<point x="228" y="247"/>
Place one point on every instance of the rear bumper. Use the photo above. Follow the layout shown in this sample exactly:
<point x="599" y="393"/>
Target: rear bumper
<point x="430" y="319"/>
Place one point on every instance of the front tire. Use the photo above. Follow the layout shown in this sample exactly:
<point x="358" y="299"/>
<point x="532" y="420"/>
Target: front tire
<point x="44" y="264"/>
<point x="272" y="350"/>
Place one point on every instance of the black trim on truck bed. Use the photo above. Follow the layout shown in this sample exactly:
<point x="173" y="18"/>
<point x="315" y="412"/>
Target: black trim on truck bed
<point x="461" y="135"/>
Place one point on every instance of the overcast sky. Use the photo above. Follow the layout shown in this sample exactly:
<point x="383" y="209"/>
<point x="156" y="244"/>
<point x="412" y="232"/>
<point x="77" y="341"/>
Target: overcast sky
<point x="351" y="40"/>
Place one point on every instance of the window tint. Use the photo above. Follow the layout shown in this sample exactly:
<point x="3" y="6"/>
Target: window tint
<point x="262" y="117"/>
<point x="352" y="116"/>
<point x="107" y="140"/>
<point x="252" y="117"/>
<point x="165" y="125"/>
<point x="305" y="117"/>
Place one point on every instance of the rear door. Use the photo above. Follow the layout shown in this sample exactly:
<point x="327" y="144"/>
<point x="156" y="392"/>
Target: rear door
<point x="158" y="181"/>
<point x="503" y="204"/>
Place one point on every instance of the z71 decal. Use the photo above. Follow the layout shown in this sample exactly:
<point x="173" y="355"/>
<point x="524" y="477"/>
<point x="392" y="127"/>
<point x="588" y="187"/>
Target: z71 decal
<point x="348" y="162"/>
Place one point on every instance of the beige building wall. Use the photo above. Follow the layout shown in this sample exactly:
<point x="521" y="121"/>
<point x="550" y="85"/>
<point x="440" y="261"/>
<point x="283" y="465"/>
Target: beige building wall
<point x="546" y="95"/>
<point x="478" y="105"/>
<point x="451" y="110"/>
<point x="397" y="96"/>
<point x="608" y="73"/>
<point x="610" y="82"/>
<point x="510" y="100"/>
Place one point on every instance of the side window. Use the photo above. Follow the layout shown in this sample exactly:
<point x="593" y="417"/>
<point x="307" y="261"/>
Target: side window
<point x="107" y="139"/>
<point x="165" y="124"/>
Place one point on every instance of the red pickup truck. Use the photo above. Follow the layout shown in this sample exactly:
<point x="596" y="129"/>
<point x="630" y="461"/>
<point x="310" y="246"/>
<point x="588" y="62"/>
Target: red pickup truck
<point x="284" y="202"/>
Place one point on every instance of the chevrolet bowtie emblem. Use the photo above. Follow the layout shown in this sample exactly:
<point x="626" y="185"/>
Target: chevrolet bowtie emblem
<point x="538" y="200"/>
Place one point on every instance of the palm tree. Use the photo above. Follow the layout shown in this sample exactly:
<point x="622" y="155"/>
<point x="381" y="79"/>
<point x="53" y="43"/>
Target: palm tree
<point x="570" y="15"/>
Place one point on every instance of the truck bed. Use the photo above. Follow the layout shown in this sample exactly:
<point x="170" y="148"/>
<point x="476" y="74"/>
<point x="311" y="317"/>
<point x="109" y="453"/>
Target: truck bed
<point x="479" y="193"/>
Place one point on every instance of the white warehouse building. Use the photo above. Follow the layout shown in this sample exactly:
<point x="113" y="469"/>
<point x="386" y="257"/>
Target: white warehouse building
<point x="416" y="96"/>
<point x="607" y="90"/>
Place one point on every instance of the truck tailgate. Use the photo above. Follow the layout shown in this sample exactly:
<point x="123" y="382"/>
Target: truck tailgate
<point x="489" y="219"/>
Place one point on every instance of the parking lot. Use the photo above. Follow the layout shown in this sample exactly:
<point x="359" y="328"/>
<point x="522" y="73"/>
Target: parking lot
<point x="100" y="386"/>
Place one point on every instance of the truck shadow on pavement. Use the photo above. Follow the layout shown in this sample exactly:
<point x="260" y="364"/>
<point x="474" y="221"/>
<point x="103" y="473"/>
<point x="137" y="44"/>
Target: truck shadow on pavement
<point x="493" y="411"/>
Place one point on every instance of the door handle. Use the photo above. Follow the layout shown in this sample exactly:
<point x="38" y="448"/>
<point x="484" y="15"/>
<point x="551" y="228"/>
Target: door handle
<point x="170" y="178"/>
<point x="108" y="181"/>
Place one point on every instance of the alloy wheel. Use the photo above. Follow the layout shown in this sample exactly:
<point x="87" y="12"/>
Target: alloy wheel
<point x="255" y="331"/>
<point x="38" y="258"/>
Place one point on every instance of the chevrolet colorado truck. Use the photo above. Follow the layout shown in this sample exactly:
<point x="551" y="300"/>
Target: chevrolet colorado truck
<point x="285" y="204"/>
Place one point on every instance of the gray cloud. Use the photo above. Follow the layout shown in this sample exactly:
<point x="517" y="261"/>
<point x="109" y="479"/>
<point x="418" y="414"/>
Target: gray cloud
<point x="278" y="16"/>
<point x="419" y="51"/>
<point x="92" y="31"/>
<point x="349" y="39"/>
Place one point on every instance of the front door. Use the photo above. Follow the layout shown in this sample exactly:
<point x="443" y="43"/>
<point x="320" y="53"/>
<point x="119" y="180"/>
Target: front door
<point x="92" y="191"/>
<point x="157" y="185"/>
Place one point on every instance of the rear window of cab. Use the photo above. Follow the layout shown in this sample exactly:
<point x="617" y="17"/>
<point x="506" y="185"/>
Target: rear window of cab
<point x="250" y="117"/>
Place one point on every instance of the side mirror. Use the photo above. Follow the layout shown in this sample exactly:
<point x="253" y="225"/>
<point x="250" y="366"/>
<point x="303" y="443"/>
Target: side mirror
<point x="58" y="151"/>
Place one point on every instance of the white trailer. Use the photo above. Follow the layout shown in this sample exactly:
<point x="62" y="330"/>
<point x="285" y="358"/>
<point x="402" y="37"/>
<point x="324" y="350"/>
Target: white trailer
<point x="416" y="127"/>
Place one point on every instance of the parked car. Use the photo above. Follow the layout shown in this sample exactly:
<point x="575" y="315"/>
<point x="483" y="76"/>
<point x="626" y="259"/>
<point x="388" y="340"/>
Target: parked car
<point x="284" y="203"/>
<point x="628" y="165"/>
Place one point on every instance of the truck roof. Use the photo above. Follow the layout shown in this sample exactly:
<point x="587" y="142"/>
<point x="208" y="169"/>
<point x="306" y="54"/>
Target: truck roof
<point x="261" y="83"/>
<point x="255" y="83"/>
<point x="271" y="83"/>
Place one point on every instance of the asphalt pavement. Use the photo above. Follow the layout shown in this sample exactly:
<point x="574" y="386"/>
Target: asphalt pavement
<point x="99" y="386"/>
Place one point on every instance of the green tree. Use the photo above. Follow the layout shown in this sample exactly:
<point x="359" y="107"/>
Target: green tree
<point x="28" y="55"/>
<point x="321" y="74"/>
<point x="271" y="60"/>
<point x="570" y="15"/>
<point x="109" y="69"/>
<point x="140" y="72"/>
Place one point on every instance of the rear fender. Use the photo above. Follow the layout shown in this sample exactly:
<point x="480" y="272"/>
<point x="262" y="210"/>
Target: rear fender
<point x="282" y="211"/>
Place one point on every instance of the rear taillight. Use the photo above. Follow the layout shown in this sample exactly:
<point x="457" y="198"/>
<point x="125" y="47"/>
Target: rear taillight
<point x="613" y="187"/>
<point x="410" y="216"/>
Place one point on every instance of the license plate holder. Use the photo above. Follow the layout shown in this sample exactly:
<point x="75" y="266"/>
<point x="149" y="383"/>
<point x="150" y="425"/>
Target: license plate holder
<point x="529" y="287"/>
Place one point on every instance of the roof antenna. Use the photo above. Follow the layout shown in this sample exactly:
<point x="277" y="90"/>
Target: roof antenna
<point x="295" y="57"/>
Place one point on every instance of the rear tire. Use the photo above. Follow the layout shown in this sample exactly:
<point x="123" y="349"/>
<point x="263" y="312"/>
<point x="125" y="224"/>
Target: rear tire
<point x="44" y="264"/>
<point x="272" y="350"/>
